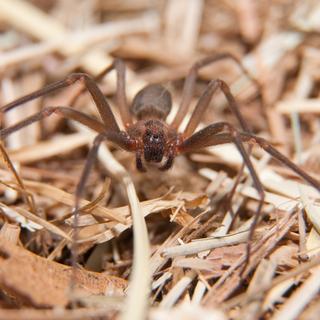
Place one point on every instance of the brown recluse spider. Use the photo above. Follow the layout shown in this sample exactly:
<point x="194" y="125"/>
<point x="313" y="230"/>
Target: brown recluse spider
<point x="150" y="137"/>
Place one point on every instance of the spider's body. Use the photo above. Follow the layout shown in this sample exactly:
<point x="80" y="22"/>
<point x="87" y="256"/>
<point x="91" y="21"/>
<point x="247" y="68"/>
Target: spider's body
<point x="150" y="137"/>
<point x="154" y="140"/>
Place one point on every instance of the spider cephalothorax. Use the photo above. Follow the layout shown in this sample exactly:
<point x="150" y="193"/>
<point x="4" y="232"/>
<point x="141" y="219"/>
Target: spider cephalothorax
<point x="154" y="142"/>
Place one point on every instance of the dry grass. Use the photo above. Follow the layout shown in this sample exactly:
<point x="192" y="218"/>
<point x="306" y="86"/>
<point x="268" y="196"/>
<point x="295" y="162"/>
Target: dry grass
<point x="184" y="260"/>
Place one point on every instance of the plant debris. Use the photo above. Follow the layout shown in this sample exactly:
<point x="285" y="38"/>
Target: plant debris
<point x="160" y="245"/>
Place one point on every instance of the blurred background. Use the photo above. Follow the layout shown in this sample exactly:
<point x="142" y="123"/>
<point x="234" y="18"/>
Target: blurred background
<point x="277" y="41"/>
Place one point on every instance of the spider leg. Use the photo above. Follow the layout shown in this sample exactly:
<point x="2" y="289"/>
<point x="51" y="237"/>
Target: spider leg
<point x="206" y="137"/>
<point x="139" y="163"/>
<point x="121" y="92"/>
<point x="211" y="135"/>
<point x="204" y="101"/>
<point x="169" y="162"/>
<point x="120" y="138"/>
<point x="97" y="78"/>
<point x="189" y="85"/>
<point x="65" y="112"/>
<point x="201" y="107"/>
<point x="264" y="144"/>
<point x="98" y="97"/>
<point x="123" y="141"/>
<point x="119" y="66"/>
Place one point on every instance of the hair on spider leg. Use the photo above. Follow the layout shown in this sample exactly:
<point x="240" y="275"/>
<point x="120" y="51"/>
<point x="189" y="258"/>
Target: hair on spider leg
<point x="147" y="133"/>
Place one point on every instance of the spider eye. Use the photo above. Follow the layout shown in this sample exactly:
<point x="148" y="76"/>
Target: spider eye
<point x="156" y="137"/>
<point x="152" y="137"/>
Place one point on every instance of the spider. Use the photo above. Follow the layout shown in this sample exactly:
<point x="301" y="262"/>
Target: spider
<point x="149" y="136"/>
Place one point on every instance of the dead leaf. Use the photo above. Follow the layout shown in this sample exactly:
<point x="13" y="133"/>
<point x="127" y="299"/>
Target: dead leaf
<point x="42" y="283"/>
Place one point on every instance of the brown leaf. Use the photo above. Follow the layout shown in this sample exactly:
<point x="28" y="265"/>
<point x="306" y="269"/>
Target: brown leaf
<point x="39" y="282"/>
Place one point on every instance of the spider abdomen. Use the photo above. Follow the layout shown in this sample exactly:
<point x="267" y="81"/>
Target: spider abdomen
<point x="152" y="102"/>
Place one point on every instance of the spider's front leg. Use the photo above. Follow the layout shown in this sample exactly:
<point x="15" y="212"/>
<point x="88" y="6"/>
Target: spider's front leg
<point x="214" y="135"/>
<point x="211" y="136"/>
<point x="65" y="112"/>
<point x="202" y="105"/>
<point x="123" y="140"/>
<point x="139" y="163"/>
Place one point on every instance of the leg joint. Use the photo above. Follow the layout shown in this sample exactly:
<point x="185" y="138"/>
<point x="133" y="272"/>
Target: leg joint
<point x="74" y="77"/>
<point x="99" y="139"/>
<point x="47" y="111"/>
